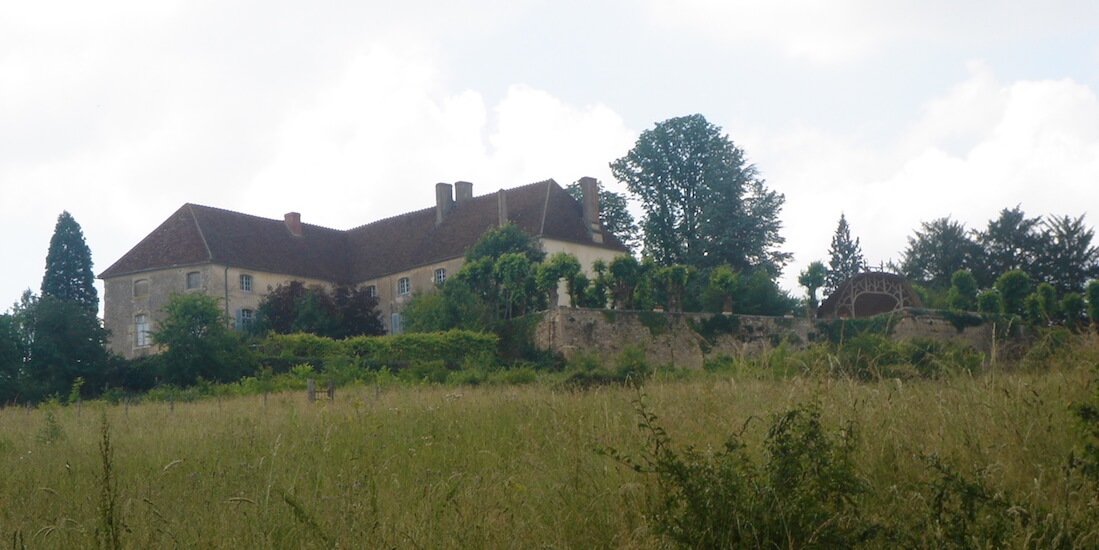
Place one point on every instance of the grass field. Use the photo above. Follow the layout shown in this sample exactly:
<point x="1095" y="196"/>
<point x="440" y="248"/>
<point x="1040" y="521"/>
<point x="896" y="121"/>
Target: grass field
<point x="964" y="461"/>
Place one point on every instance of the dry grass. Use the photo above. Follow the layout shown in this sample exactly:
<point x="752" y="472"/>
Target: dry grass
<point x="502" y="467"/>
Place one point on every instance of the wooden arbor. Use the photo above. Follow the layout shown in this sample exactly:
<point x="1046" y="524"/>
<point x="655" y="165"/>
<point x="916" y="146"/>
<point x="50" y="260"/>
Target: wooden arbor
<point x="869" y="294"/>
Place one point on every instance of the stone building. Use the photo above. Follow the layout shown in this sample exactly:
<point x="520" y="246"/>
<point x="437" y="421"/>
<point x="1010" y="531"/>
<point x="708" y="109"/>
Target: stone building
<point x="239" y="258"/>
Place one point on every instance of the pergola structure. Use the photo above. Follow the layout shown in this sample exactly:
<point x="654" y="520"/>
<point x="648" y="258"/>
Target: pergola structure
<point x="869" y="294"/>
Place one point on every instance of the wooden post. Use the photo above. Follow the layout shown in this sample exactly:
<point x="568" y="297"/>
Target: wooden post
<point x="310" y="390"/>
<point x="331" y="389"/>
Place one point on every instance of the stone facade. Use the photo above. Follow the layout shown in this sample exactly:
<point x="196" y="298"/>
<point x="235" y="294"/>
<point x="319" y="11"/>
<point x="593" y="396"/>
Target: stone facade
<point x="208" y="250"/>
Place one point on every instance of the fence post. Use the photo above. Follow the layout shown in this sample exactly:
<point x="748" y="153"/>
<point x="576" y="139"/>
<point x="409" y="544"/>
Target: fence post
<point x="331" y="389"/>
<point x="310" y="390"/>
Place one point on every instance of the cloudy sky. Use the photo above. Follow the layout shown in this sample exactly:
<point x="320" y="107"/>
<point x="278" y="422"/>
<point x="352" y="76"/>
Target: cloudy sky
<point x="893" y="113"/>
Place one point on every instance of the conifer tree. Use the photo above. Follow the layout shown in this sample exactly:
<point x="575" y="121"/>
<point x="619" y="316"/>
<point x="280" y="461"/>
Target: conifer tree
<point x="846" y="257"/>
<point x="69" y="266"/>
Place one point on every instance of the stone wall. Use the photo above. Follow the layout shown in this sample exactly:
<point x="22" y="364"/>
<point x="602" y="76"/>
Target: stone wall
<point x="687" y="339"/>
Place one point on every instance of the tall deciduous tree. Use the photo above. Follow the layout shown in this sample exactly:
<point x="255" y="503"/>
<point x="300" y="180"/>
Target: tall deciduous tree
<point x="614" y="212"/>
<point x="703" y="203"/>
<point x="69" y="266"/>
<point x="936" y="251"/>
<point x="199" y="342"/>
<point x="845" y="257"/>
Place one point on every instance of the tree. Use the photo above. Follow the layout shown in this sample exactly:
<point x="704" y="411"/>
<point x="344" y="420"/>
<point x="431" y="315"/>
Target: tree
<point x="1072" y="308"/>
<point x="480" y="273"/>
<point x="69" y="266"/>
<point x="199" y="343"/>
<point x="937" y="250"/>
<point x="342" y="312"/>
<point x="68" y="343"/>
<point x="11" y="358"/>
<point x="674" y="279"/>
<point x="846" y="258"/>
<point x="814" y="277"/>
<point x="989" y="301"/>
<point x="1067" y="259"/>
<point x="725" y="281"/>
<point x="1011" y="241"/>
<point x="1014" y="286"/>
<point x="703" y="203"/>
<point x="614" y="212"/>
<point x="963" y="291"/>
<point x="549" y="273"/>
<point x="626" y="273"/>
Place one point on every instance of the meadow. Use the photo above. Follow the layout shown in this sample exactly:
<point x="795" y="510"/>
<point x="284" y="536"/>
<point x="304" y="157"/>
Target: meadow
<point x="967" y="460"/>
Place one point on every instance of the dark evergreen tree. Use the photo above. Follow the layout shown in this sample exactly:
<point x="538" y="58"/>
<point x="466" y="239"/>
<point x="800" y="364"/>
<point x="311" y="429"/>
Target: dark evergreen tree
<point x="1067" y="259"/>
<point x="69" y="274"/>
<point x="614" y="212"/>
<point x="11" y="358"/>
<point x="845" y="255"/>
<point x="937" y="250"/>
<point x="1011" y="241"/>
<point x="704" y="203"/>
<point x="67" y="343"/>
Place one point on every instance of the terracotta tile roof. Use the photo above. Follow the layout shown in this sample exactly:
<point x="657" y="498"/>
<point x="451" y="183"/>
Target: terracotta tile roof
<point x="198" y="234"/>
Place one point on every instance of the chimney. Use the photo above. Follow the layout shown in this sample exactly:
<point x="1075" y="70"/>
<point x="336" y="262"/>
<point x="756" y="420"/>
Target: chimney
<point x="293" y="223"/>
<point x="444" y="202"/>
<point x="463" y="191"/>
<point x="502" y="201"/>
<point x="589" y="189"/>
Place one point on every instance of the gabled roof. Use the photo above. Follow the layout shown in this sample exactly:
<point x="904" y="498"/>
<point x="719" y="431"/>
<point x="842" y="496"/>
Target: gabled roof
<point x="197" y="234"/>
<point x="200" y="234"/>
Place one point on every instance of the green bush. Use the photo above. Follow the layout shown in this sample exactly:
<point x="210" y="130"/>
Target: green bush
<point x="804" y="493"/>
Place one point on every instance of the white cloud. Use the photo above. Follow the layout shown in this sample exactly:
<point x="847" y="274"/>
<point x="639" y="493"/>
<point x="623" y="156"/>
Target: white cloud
<point x="981" y="147"/>
<point x="388" y="130"/>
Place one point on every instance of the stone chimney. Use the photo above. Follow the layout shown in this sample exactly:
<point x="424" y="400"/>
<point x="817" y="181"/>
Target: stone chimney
<point x="589" y="189"/>
<point x="293" y="223"/>
<point x="444" y="201"/>
<point x="463" y="191"/>
<point x="502" y="201"/>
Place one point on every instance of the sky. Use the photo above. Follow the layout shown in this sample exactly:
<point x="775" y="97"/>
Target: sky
<point x="891" y="113"/>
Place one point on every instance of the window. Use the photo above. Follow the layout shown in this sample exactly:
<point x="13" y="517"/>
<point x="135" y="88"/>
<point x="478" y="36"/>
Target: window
<point x="194" y="280"/>
<point x="141" y="288"/>
<point x="404" y="286"/>
<point x="245" y="318"/>
<point x="246" y="282"/>
<point x="141" y="331"/>
<point x="372" y="291"/>
<point x="440" y="275"/>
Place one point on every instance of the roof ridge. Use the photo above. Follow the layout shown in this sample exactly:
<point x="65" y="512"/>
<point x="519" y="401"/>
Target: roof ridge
<point x="236" y="213"/>
<point x="201" y="234"/>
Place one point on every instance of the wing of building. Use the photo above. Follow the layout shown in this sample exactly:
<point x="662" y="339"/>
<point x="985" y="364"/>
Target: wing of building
<point x="239" y="258"/>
